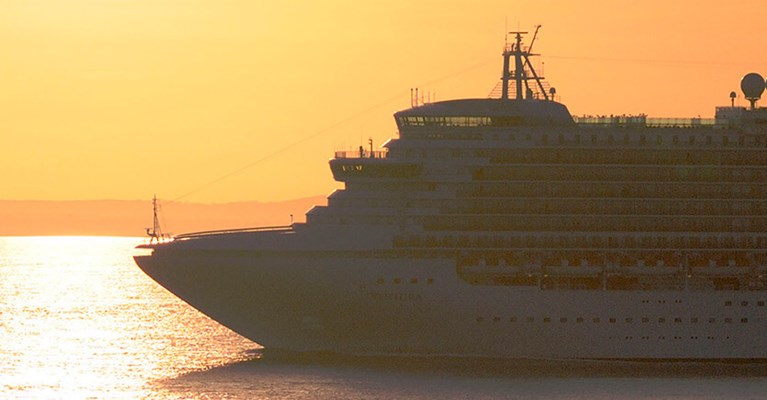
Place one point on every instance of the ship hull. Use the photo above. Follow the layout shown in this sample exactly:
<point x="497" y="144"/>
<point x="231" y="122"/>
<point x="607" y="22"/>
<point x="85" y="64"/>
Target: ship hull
<point x="384" y="305"/>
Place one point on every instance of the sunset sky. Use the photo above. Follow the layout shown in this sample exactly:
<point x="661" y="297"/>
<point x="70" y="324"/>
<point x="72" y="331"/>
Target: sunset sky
<point x="219" y="101"/>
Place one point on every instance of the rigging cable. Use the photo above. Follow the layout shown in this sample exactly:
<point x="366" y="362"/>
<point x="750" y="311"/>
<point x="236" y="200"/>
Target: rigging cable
<point x="324" y="131"/>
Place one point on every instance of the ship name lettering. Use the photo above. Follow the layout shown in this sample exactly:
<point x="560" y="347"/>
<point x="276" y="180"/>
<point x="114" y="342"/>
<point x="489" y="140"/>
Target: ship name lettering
<point x="395" y="296"/>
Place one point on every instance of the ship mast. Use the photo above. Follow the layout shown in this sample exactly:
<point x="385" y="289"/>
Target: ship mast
<point x="155" y="232"/>
<point x="523" y="71"/>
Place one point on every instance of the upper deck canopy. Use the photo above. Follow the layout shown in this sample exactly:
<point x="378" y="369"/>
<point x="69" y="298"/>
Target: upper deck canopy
<point x="486" y="112"/>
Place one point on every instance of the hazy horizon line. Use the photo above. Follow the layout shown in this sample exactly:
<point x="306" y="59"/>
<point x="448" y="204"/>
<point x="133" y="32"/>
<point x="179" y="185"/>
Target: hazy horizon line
<point x="166" y="201"/>
<point x="130" y="218"/>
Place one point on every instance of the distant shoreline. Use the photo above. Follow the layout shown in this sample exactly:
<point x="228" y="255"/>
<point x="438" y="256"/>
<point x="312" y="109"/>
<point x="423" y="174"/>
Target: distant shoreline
<point x="131" y="218"/>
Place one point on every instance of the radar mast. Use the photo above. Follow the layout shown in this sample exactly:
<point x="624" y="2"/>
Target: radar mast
<point x="523" y="71"/>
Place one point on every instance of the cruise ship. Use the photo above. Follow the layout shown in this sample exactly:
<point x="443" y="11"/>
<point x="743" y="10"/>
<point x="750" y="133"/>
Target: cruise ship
<point x="507" y="228"/>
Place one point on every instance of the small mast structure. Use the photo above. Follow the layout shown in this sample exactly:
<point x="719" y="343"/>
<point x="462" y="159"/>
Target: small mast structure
<point x="523" y="71"/>
<point x="155" y="232"/>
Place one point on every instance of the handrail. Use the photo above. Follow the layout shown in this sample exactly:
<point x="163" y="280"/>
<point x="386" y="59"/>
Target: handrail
<point x="238" y="230"/>
<point x="641" y="120"/>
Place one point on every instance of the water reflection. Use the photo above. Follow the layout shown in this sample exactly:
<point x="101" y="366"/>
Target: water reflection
<point x="79" y="319"/>
<point x="423" y="378"/>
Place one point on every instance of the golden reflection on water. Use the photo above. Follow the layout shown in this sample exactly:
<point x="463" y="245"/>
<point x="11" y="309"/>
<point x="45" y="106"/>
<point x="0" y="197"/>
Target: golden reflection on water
<point x="79" y="319"/>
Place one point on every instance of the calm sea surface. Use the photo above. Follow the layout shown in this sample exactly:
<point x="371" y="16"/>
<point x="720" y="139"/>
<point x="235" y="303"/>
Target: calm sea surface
<point x="79" y="320"/>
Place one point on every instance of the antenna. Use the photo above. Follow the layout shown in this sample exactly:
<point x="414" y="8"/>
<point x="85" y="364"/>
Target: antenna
<point x="535" y="35"/>
<point x="506" y="32"/>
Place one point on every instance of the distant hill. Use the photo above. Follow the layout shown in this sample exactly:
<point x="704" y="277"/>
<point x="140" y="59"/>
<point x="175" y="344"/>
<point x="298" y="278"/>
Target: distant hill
<point x="130" y="218"/>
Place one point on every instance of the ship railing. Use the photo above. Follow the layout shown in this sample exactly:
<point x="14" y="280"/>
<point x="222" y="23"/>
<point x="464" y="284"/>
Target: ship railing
<point x="361" y="154"/>
<point x="227" y="231"/>
<point x="642" y="121"/>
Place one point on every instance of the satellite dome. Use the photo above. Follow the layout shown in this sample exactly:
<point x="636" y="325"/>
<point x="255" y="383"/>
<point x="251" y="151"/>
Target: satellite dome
<point x="752" y="85"/>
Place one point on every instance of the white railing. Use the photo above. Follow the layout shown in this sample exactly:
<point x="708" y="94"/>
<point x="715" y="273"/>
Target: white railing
<point x="641" y="120"/>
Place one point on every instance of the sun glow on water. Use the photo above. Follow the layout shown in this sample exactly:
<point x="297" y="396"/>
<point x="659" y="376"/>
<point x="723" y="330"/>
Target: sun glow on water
<point x="79" y="319"/>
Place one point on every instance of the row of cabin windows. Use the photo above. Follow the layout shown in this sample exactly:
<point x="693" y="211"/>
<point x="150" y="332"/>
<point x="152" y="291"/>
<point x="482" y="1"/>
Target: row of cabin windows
<point x="677" y="301"/>
<point x="583" y="241"/>
<point x="579" y="155"/>
<point x="625" y="139"/>
<point x="453" y="121"/>
<point x="663" y="337"/>
<point x="619" y="157"/>
<point x="596" y="223"/>
<point x="613" y="206"/>
<point x="561" y="222"/>
<point x="608" y="205"/>
<point x="577" y="206"/>
<point x="646" y="189"/>
<point x="613" y="320"/>
<point x="727" y="303"/>
<point x="592" y="173"/>
<point x="566" y="189"/>
<point x="744" y="303"/>
<point x="461" y="121"/>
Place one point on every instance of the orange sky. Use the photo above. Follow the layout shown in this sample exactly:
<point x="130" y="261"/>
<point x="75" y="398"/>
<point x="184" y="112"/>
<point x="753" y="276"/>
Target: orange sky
<point x="121" y="99"/>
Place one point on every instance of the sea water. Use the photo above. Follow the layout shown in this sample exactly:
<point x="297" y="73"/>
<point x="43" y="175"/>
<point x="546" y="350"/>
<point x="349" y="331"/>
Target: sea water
<point x="79" y="320"/>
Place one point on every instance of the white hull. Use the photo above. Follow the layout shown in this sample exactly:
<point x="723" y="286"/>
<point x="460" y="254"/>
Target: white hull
<point x="330" y="304"/>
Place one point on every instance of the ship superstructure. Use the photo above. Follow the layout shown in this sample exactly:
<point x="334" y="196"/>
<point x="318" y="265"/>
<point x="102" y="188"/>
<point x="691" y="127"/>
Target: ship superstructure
<point x="505" y="227"/>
